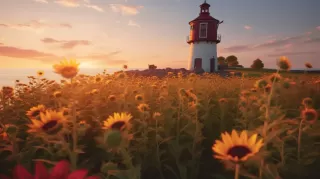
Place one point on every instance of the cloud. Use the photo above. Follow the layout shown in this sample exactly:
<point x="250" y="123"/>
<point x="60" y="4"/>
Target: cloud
<point x="268" y="44"/>
<point x="237" y="48"/>
<point x="313" y="40"/>
<point x="41" y="1"/>
<point x="17" y="52"/>
<point x="66" y="44"/>
<point x="68" y="3"/>
<point x="291" y="53"/>
<point x="285" y="47"/>
<point x="134" y="24"/>
<point x="35" y="25"/>
<point x="125" y="10"/>
<point x="318" y="27"/>
<point x="78" y="3"/>
<point x="95" y="7"/>
<point x="247" y="27"/>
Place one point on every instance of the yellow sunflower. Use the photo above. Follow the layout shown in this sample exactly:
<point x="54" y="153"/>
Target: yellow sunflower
<point x="67" y="69"/>
<point x="118" y="121"/>
<point x="236" y="148"/>
<point x="143" y="107"/>
<point x="51" y="122"/>
<point x="35" y="111"/>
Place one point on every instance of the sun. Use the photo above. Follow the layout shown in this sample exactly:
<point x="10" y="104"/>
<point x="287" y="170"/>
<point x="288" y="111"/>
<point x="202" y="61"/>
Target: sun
<point x="86" y="65"/>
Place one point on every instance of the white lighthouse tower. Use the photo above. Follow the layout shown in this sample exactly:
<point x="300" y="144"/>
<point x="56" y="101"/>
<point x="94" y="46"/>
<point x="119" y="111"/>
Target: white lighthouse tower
<point x="203" y="40"/>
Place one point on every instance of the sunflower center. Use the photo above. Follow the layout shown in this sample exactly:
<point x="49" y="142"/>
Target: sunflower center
<point x="239" y="151"/>
<point x="118" y="125"/>
<point x="49" y="125"/>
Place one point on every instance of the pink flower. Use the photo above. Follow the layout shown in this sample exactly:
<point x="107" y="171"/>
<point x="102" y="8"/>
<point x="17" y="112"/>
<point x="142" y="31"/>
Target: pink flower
<point x="60" y="171"/>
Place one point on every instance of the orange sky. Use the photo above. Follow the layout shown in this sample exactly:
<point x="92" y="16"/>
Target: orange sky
<point x="108" y="34"/>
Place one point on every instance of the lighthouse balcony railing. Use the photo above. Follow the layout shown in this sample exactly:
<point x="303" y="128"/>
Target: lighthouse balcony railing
<point x="188" y="38"/>
<point x="219" y="37"/>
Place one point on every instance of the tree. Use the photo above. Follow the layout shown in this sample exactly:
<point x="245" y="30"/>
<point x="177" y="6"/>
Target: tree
<point x="152" y="67"/>
<point x="232" y="60"/>
<point x="257" y="64"/>
<point x="222" y="60"/>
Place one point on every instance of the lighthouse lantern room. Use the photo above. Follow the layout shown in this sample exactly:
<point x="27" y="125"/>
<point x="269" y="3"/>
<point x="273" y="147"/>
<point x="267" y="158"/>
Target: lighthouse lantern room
<point x="203" y="40"/>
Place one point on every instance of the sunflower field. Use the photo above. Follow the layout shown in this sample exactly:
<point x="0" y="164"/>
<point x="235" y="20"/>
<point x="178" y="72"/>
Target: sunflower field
<point x="177" y="127"/>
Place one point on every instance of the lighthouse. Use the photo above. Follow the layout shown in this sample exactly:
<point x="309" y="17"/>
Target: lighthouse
<point x="203" y="40"/>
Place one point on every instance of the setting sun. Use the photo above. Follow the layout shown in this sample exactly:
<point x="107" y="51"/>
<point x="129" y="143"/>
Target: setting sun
<point x="87" y="65"/>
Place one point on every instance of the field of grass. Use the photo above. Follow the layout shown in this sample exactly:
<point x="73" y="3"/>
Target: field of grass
<point x="177" y="127"/>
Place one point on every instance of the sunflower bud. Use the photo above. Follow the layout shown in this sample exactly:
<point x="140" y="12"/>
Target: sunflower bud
<point x="261" y="84"/>
<point x="11" y="129"/>
<point x="113" y="138"/>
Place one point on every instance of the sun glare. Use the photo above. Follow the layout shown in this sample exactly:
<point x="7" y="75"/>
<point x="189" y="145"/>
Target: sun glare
<point x="86" y="65"/>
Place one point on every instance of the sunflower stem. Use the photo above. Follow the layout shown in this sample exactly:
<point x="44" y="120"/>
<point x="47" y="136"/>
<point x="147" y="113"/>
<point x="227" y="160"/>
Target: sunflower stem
<point x="74" y="139"/>
<point x="299" y="140"/>
<point x="158" y="156"/>
<point x="270" y="96"/>
<point x="261" y="169"/>
<point x="237" y="171"/>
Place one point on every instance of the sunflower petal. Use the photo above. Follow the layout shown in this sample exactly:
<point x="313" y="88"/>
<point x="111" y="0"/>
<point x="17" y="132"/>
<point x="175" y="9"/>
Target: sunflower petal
<point x="235" y="137"/>
<point x="244" y="136"/>
<point x="252" y="140"/>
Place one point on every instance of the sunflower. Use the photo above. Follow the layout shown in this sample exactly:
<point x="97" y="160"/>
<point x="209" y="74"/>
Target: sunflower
<point x="275" y="77"/>
<point x="98" y="79"/>
<point x="67" y="69"/>
<point x="51" y="122"/>
<point x="308" y="65"/>
<point x="139" y="97"/>
<point x="236" y="148"/>
<point x="112" y="98"/>
<point x="57" y="94"/>
<point x="284" y="63"/>
<point x="34" y="112"/>
<point x="118" y="121"/>
<point x="7" y="91"/>
<point x="143" y="107"/>
<point x="260" y="83"/>
<point x="309" y="115"/>
<point x="40" y="73"/>
<point x="307" y="102"/>
<point x="223" y="100"/>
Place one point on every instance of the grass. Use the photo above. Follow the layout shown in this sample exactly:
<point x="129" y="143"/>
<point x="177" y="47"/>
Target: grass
<point x="167" y="127"/>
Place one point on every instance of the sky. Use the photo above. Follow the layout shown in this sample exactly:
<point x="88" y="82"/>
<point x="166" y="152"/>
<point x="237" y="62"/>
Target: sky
<point x="111" y="33"/>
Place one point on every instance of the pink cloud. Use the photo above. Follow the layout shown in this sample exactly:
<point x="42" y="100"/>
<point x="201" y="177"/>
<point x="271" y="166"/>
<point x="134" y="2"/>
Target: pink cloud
<point x="17" y="52"/>
<point x="41" y="1"/>
<point x="66" y="44"/>
<point x="247" y="27"/>
<point x="68" y="3"/>
<point x="318" y="27"/>
<point x="79" y="3"/>
<point x="125" y="10"/>
<point x="35" y="25"/>
<point x="282" y="44"/>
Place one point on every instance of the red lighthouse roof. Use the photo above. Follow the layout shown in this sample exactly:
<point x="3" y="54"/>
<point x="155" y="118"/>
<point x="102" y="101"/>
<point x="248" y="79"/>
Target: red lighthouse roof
<point x="204" y="13"/>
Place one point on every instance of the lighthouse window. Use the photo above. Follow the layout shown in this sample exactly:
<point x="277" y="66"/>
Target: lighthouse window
<point x="203" y="30"/>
